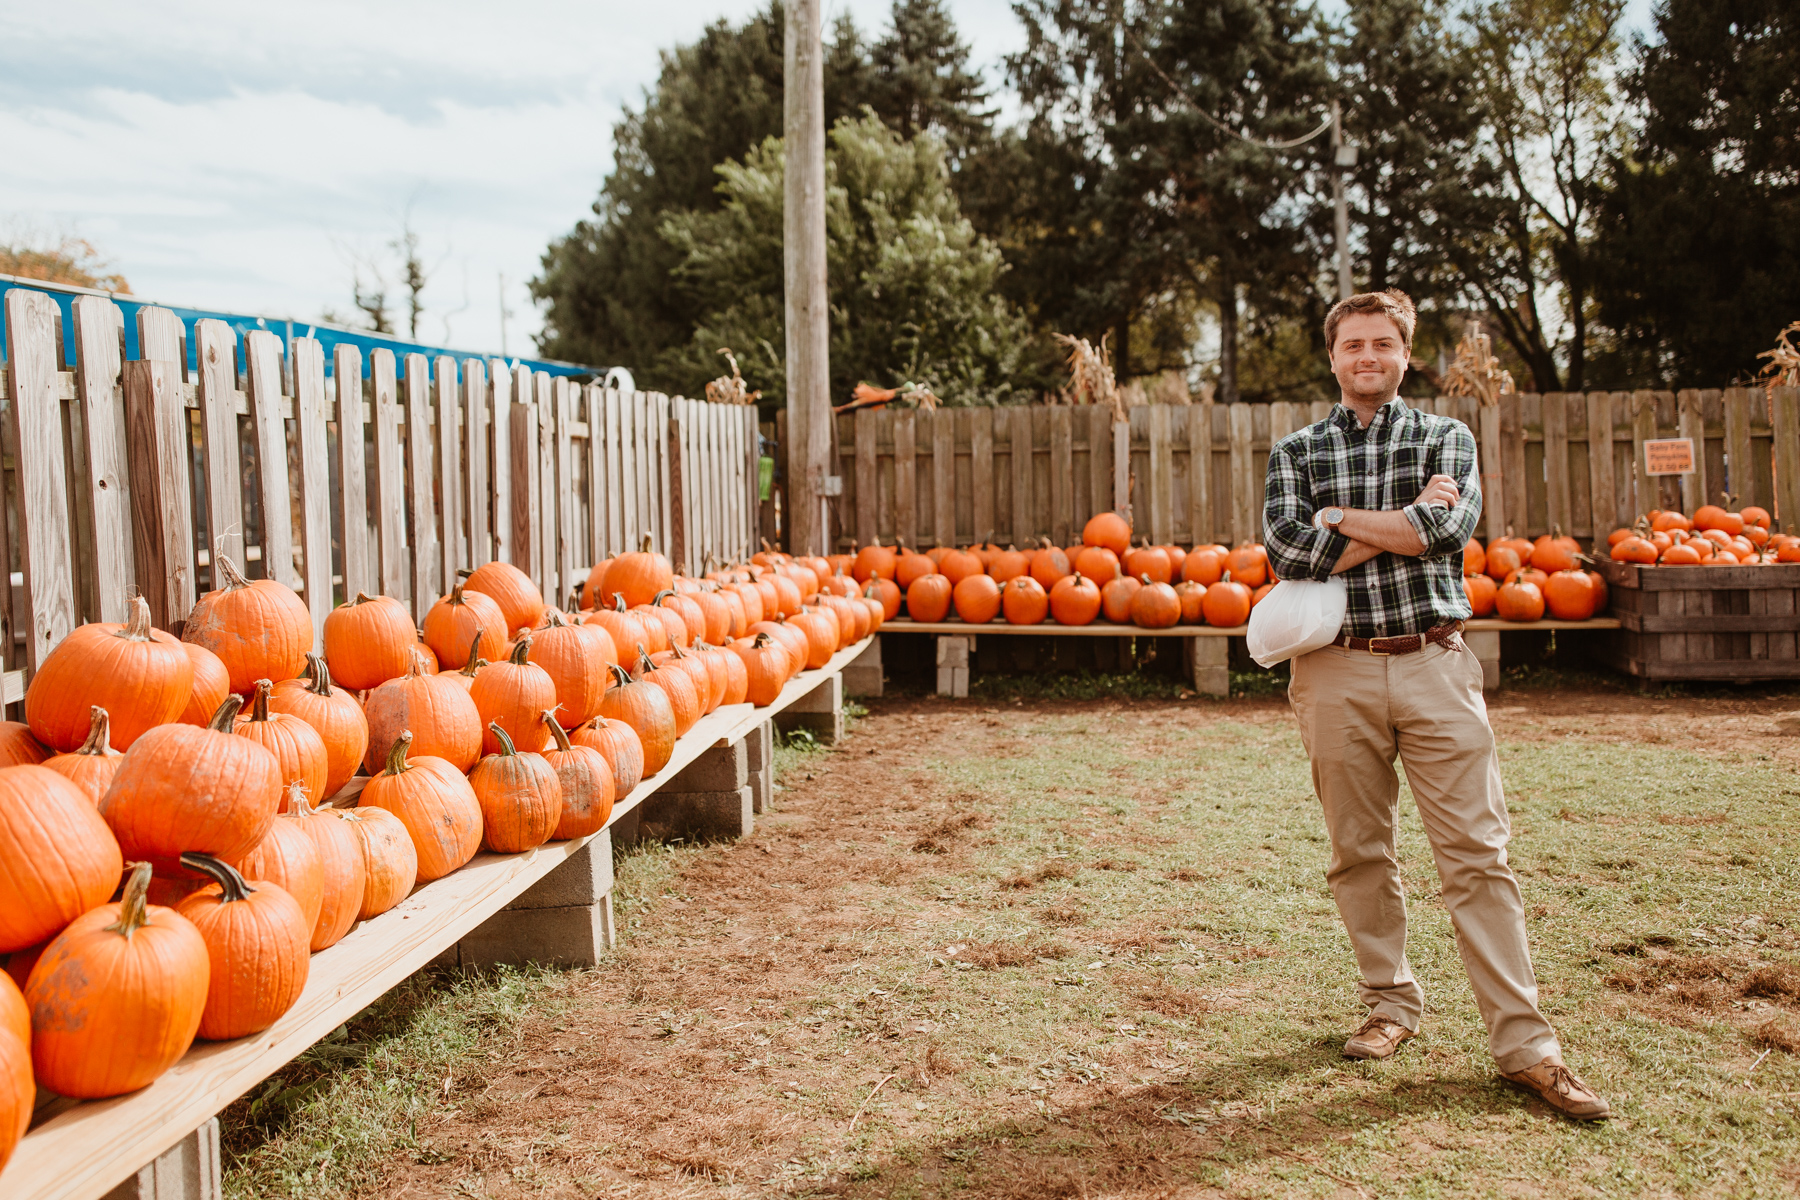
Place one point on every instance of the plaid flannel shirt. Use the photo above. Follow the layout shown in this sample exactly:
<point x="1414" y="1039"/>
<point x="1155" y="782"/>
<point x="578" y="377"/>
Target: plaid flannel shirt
<point x="1335" y="462"/>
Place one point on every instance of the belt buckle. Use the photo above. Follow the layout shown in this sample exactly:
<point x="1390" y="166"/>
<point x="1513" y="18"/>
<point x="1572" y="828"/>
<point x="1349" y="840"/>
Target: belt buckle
<point x="1379" y="653"/>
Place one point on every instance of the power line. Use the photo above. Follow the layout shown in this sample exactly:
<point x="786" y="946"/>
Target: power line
<point x="1289" y="144"/>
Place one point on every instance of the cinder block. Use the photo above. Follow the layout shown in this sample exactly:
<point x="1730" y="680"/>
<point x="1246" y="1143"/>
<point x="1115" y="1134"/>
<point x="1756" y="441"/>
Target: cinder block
<point x="761" y="790"/>
<point x="862" y="681"/>
<point x="821" y="711"/>
<point x="625" y="830"/>
<point x="583" y="878"/>
<point x="952" y="652"/>
<point x="953" y="681"/>
<point x="1209" y="664"/>
<point x="698" y="816"/>
<point x="721" y="769"/>
<point x="559" y="937"/>
<point x="1486" y="645"/>
<point x="827" y="697"/>
<point x="759" y="746"/>
<point x="871" y="655"/>
<point x="188" y="1170"/>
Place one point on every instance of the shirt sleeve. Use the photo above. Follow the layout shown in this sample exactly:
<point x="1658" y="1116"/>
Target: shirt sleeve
<point x="1296" y="548"/>
<point x="1447" y="530"/>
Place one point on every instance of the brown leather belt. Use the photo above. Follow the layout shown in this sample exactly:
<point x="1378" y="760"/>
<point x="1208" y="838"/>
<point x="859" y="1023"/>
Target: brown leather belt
<point x="1405" y="644"/>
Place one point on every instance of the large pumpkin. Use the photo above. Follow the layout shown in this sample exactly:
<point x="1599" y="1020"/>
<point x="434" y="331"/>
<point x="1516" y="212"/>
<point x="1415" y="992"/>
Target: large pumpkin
<point x="259" y="630"/>
<point x="117" y="998"/>
<point x="140" y="675"/>
<point x="369" y="640"/>
<point x="514" y="693"/>
<point x="1110" y="530"/>
<point x="520" y="796"/>
<point x="461" y="621"/>
<point x="289" y="858"/>
<point x="637" y="576"/>
<point x="1226" y="603"/>
<point x="1075" y="600"/>
<point x="333" y="714"/>
<point x="576" y="658"/>
<point x="14" y="1015"/>
<point x="520" y="600"/>
<point x="434" y="801"/>
<point x="298" y="749"/>
<point x="1156" y="606"/>
<point x="586" y="779"/>
<point x="676" y="684"/>
<point x="180" y="788"/>
<point x="341" y="868"/>
<point x="766" y="667"/>
<point x="618" y="744"/>
<point x="18" y="1090"/>
<point x="928" y="598"/>
<point x="439" y="714"/>
<point x="57" y="857"/>
<point x="390" y="860"/>
<point x="91" y="767"/>
<point x="1024" y="601"/>
<point x="212" y="683"/>
<point x="646" y="709"/>
<point x="1116" y="596"/>
<point x="256" y="946"/>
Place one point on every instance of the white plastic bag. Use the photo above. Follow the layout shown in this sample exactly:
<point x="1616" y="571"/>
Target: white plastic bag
<point x="1297" y="617"/>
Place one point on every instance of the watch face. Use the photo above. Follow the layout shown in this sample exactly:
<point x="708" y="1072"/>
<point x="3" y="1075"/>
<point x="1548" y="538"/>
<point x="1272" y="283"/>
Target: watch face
<point x="1333" y="515"/>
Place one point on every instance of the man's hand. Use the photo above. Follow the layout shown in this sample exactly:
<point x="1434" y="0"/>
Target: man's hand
<point x="1440" y="489"/>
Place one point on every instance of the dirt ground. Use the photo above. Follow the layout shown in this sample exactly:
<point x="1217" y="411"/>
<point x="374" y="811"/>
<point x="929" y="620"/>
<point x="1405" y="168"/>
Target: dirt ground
<point x="1085" y="949"/>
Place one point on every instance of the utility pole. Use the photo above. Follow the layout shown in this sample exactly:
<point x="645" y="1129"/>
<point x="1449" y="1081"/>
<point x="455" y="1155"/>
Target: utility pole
<point x="503" y="314"/>
<point x="803" y="252"/>
<point x="1343" y="157"/>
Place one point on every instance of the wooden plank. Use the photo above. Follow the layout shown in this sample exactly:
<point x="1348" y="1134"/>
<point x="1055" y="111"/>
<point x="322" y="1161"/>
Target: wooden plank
<point x="1512" y="463"/>
<point x="943" y="476"/>
<point x="262" y="362"/>
<point x="352" y="518"/>
<point x="451" y="552"/>
<point x="905" y="500"/>
<point x="1643" y="429"/>
<point x="1601" y="487"/>
<point x="1558" y="501"/>
<point x="1200" y="505"/>
<point x="689" y="517"/>
<point x="1100" y="467"/>
<point x="597" y="480"/>
<point x="1785" y="420"/>
<point x="478" y="488"/>
<point x="1690" y="424"/>
<point x="1162" y="477"/>
<point x="163" y="519"/>
<point x="217" y="387"/>
<point x="627" y="461"/>
<point x="421" y="472"/>
<point x="1740" y="478"/>
<point x="664" y="500"/>
<point x="1245" y="520"/>
<point x="563" y="490"/>
<point x="1493" y="472"/>
<point x="500" y="458"/>
<point x="1121" y="468"/>
<point x="982" y="486"/>
<point x="523" y="435"/>
<point x="1062" y="475"/>
<point x="544" y="520"/>
<point x="99" y="357"/>
<point x="34" y="428"/>
<point x="868" y="529"/>
<point x="312" y="412"/>
<point x="390" y="475"/>
<point x="1018" y="428"/>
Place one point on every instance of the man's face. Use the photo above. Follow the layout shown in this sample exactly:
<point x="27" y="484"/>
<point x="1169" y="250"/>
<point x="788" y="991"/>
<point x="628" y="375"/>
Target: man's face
<point x="1369" y="357"/>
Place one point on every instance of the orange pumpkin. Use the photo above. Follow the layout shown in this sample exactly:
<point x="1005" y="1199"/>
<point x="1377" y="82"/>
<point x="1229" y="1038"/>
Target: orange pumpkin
<point x="1155" y="606"/>
<point x="595" y="586"/>
<point x="1075" y="600"/>
<point x="259" y="630"/>
<point x="1634" y="549"/>
<point x="646" y="709"/>
<point x="180" y="788"/>
<point x="1115" y="598"/>
<point x="1569" y="595"/>
<point x="1474" y="557"/>
<point x="1554" y="552"/>
<point x="212" y="683"/>
<point x="618" y="744"/>
<point x="440" y="714"/>
<point x="822" y="636"/>
<point x="1686" y="554"/>
<point x="1502" y="561"/>
<point x="1148" y="561"/>
<point x="18" y="747"/>
<point x="1711" y="516"/>
<point x="884" y="592"/>
<point x="1010" y="563"/>
<point x="1098" y="563"/>
<point x="342" y="874"/>
<point x="911" y="567"/>
<point x="977" y="599"/>
<point x="1757" y="516"/>
<point x="288" y="858"/>
<point x="520" y="797"/>
<point x="677" y="685"/>
<point x="766" y="668"/>
<point x="60" y="859"/>
<point x="1668" y="521"/>
<point x="1226" y="603"/>
<point x="434" y="801"/>
<point x="334" y="715"/>
<point x="117" y="998"/>
<point x="1192" y="597"/>
<point x="1107" y="529"/>
<point x="92" y="767"/>
<point x="256" y="946"/>
<point x="1204" y="565"/>
<point x="461" y="623"/>
<point x="874" y="562"/>
<point x="297" y="746"/>
<point x="15" y="1018"/>
<point x="576" y="658"/>
<point x="637" y="576"/>
<point x="1024" y="601"/>
<point x="138" y="674"/>
<point x="1049" y="564"/>
<point x="369" y="640"/>
<point x="928" y="599"/>
<point x="1249" y="565"/>
<point x="958" y="565"/>
<point x="586" y="781"/>
<point x="390" y="860"/>
<point x="694" y="620"/>
<point x="1481" y="590"/>
<point x="1519" y="600"/>
<point x="18" y="1089"/>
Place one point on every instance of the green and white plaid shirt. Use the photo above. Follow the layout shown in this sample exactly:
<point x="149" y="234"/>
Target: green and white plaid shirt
<point x="1337" y="463"/>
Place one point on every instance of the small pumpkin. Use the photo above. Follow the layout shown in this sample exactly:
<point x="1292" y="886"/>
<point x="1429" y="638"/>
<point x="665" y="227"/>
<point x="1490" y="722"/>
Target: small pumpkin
<point x="288" y="857"/>
<point x="520" y="796"/>
<point x="677" y="685"/>
<point x="341" y="871"/>
<point x="1024" y="601"/>
<point x="1193" y="602"/>
<point x="928" y="598"/>
<point x="520" y="600"/>
<point x="1049" y="564"/>
<point x="618" y="744"/>
<point x="256" y="947"/>
<point x="57" y="857"/>
<point x="1099" y="564"/>
<point x="575" y="657"/>
<point x="1226" y="603"/>
<point x="976" y="598"/>
<point x="1148" y="560"/>
<point x="390" y="860"/>
<point x="180" y="788"/>
<point x="1075" y="600"/>
<point x="587" y="783"/>
<point x="297" y="746"/>
<point x="1569" y="595"/>
<point x="1481" y="591"/>
<point x="92" y="767"/>
<point x="1519" y="600"/>
<point x="369" y="640"/>
<point x="464" y="625"/>
<point x="212" y="683"/>
<point x="138" y="674"/>
<point x="765" y="666"/>
<point x="646" y="709"/>
<point x="512" y="693"/>
<point x="434" y="801"/>
<point x="637" y="576"/>
<point x="1109" y="530"/>
<point x="334" y="715"/>
<point x="1156" y="606"/>
<point x="1204" y="565"/>
<point x="1116" y="596"/>
<point x="439" y="713"/>
<point x="117" y="997"/>
<point x="259" y="630"/>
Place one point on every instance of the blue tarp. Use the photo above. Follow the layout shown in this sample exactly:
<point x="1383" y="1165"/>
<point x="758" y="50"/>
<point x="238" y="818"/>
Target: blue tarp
<point x="284" y="328"/>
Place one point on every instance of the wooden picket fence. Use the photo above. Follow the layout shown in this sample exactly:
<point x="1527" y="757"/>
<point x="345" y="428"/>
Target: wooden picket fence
<point x="1572" y="460"/>
<point x="123" y="476"/>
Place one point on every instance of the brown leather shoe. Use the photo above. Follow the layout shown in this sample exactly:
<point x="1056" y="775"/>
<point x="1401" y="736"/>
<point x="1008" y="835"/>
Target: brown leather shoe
<point x="1379" y="1037"/>
<point x="1561" y="1089"/>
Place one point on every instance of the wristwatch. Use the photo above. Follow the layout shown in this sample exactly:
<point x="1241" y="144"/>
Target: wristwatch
<point x="1331" y="517"/>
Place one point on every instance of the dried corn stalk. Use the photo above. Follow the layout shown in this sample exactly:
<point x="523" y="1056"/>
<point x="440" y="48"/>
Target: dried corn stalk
<point x="1783" y="368"/>
<point x="1091" y="376"/>
<point x="731" y="389"/>
<point x="1476" y="372"/>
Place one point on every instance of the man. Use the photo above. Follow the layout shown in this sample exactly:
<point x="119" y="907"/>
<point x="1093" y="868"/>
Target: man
<point x="1386" y="496"/>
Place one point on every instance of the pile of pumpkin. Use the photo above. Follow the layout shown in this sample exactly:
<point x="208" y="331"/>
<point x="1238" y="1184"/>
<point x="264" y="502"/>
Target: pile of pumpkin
<point x="202" y="770"/>
<point x="1520" y="579"/>
<point x="1713" y="537"/>
<point x="1149" y="586"/>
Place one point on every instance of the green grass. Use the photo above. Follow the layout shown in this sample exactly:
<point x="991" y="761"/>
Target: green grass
<point x="1149" y="983"/>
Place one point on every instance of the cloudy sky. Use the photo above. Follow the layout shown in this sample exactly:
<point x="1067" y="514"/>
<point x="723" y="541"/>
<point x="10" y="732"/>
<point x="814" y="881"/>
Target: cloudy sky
<point x="242" y="156"/>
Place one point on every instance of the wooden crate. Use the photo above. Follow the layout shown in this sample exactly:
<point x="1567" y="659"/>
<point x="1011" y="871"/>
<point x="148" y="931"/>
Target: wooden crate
<point x="1715" y="623"/>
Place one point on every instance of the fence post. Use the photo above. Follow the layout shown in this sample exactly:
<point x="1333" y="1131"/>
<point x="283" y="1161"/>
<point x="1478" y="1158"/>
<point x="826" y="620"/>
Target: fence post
<point x="353" y="520"/>
<point x="1784" y="418"/>
<point x="163" y="518"/>
<point x="310" y="415"/>
<point x="34" y="425"/>
<point x="390" y="494"/>
<point x="106" y="507"/>
<point x="449" y="484"/>
<point x="217" y="358"/>
<point x="262" y="372"/>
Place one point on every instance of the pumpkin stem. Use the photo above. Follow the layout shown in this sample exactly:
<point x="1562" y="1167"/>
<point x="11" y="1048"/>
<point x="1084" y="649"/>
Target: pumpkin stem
<point x="415" y="666"/>
<point x="234" y="578"/>
<point x="521" y="648"/>
<point x="658" y="598"/>
<point x="232" y="886"/>
<point x="298" y="805"/>
<point x="624" y="676"/>
<point x="98" y="738"/>
<point x="397" y="754"/>
<point x="556" y="730"/>
<point x="553" y="619"/>
<point x="762" y="639"/>
<point x="132" y="916"/>
<point x="456" y="591"/>
<point x="476" y="662"/>
<point x="259" y="704"/>
<point x="507" y="750"/>
<point x="644" y="663"/>
<point x="618" y="601"/>
<point x="463" y="572"/>
<point x="320" y="673"/>
<point x="137" y="621"/>
<point x="225" y="715"/>
<point x="644" y="547"/>
<point x="361" y="598"/>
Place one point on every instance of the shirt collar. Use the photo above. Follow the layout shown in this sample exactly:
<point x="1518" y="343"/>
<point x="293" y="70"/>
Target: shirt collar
<point x="1393" y="410"/>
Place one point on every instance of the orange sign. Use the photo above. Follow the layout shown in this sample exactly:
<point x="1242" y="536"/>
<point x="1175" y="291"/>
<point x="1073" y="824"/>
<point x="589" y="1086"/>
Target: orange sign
<point x="1669" y="456"/>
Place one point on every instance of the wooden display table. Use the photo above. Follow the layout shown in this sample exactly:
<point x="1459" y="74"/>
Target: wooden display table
<point x="1714" y="623"/>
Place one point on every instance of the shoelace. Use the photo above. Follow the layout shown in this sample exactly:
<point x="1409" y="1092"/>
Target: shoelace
<point x="1376" y="1022"/>
<point x="1564" y="1081"/>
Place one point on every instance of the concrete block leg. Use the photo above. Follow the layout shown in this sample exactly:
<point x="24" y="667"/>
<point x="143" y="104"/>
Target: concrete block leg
<point x="759" y="761"/>
<point x="698" y="816"/>
<point x="953" y="666"/>
<point x="1486" y="645"/>
<point x="188" y="1170"/>
<point x="563" y="920"/>
<point x="862" y="677"/>
<point x="820" y="710"/>
<point x="1209" y="665"/>
<point x="720" y="769"/>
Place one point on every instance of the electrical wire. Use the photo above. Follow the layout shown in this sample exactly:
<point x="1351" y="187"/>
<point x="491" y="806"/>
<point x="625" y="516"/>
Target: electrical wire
<point x="1289" y="144"/>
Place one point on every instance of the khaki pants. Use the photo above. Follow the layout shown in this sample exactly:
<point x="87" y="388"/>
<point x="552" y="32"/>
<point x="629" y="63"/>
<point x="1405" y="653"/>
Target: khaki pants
<point x="1356" y="711"/>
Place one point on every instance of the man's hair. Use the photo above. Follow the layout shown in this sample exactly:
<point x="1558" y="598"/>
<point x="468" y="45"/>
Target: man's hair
<point x="1393" y="304"/>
